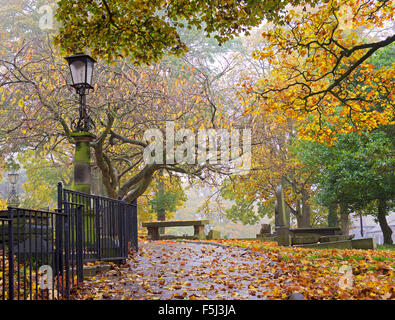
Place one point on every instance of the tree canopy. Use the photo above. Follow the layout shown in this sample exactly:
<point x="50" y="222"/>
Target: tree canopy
<point x="320" y="72"/>
<point x="146" y="30"/>
<point x="309" y="71"/>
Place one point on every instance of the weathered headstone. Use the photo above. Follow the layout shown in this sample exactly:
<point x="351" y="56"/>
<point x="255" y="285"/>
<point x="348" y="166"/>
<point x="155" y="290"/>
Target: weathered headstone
<point x="199" y="232"/>
<point x="305" y="239"/>
<point x="335" y="238"/>
<point x="367" y="243"/>
<point x="35" y="247"/>
<point x="213" y="235"/>
<point x="265" y="229"/>
<point x="330" y="245"/>
<point x="265" y="234"/>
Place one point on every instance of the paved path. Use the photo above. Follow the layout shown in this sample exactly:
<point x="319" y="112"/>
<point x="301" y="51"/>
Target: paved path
<point x="178" y="270"/>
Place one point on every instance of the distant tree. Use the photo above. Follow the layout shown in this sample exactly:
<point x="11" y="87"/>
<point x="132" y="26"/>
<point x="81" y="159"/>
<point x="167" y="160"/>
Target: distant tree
<point x="169" y="195"/>
<point x="356" y="171"/>
<point x="43" y="174"/>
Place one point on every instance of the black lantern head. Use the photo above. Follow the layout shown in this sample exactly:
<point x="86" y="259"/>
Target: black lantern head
<point x="81" y="68"/>
<point x="13" y="178"/>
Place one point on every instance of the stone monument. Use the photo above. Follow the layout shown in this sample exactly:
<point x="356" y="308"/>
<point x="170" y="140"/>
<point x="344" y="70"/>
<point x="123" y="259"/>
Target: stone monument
<point x="283" y="237"/>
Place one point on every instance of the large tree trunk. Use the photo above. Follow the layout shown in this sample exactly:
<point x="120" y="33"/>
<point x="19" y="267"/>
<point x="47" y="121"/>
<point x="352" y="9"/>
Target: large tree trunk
<point x="304" y="221"/>
<point x="332" y="216"/>
<point x="385" y="228"/>
<point x="161" y="214"/>
<point x="344" y="222"/>
<point x="297" y="213"/>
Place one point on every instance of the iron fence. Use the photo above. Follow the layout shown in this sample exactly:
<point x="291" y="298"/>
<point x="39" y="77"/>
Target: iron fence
<point x="107" y="227"/>
<point x="30" y="252"/>
<point x="43" y="253"/>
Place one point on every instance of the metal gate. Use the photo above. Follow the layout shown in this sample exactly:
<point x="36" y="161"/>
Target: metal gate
<point x="42" y="253"/>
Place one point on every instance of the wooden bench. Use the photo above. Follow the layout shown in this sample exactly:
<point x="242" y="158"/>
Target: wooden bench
<point x="198" y="225"/>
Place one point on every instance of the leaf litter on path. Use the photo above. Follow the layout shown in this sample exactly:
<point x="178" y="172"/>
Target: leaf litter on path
<point x="245" y="270"/>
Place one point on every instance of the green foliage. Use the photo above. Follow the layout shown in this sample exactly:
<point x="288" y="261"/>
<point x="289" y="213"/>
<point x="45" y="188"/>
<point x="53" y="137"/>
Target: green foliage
<point x="390" y="247"/>
<point x="242" y="211"/>
<point x="167" y="202"/>
<point x="384" y="58"/>
<point x="167" y="198"/>
<point x="147" y="30"/>
<point x="356" y="170"/>
<point x="42" y="177"/>
<point x="247" y="211"/>
<point x="11" y="165"/>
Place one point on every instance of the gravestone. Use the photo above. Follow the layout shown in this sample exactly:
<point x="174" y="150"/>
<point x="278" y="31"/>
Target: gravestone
<point x="335" y="238"/>
<point x="306" y="239"/>
<point x="36" y="248"/>
<point x="265" y="229"/>
<point x="22" y="232"/>
<point x="329" y="245"/>
<point x="265" y="234"/>
<point x="296" y="296"/>
<point x="367" y="243"/>
<point x="213" y="235"/>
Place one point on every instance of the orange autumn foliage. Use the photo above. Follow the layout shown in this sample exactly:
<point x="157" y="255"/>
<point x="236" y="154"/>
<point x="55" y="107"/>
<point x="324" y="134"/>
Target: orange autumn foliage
<point x="320" y="72"/>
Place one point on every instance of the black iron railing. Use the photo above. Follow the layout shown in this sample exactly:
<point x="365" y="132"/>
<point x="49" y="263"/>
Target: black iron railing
<point x="30" y="253"/>
<point x="107" y="227"/>
<point x="42" y="253"/>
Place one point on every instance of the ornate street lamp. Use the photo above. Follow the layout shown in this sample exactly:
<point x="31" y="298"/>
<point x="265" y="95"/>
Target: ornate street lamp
<point x="13" y="199"/>
<point x="81" y="69"/>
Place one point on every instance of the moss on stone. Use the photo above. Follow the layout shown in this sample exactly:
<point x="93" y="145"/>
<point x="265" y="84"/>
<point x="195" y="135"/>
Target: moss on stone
<point x="85" y="188"/>
<point x="82" y="152"/>
<point x="82" y="134"/>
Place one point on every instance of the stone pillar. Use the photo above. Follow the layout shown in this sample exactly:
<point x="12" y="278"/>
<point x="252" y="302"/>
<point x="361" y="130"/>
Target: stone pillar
<point x="281" y="210"/>
<point x="283" y="237"/>
<point x="161" y="213"/>
<point x="82" y="161"/>
<point x="199" y="232"/>
<point x="153" y="233"/>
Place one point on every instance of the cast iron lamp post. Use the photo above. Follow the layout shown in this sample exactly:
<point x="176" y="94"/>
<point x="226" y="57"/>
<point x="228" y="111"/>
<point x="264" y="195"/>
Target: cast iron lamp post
<point x="81" y="69"/>
<point x="13" y="199"/>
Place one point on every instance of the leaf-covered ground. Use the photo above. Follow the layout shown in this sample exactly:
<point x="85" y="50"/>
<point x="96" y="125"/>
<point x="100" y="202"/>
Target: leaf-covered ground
<point x="245" y="270"/>
<point x="330" y="273"/>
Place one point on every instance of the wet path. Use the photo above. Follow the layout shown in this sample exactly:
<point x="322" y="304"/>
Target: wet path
<point x="178" y="270"/>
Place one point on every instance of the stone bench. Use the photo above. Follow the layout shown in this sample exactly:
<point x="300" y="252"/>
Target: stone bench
<point x="198" y="225"/>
